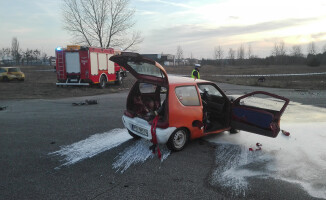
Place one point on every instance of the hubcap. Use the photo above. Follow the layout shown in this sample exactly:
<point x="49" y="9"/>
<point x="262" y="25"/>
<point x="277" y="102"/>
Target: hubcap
<point x="179" y="139"/>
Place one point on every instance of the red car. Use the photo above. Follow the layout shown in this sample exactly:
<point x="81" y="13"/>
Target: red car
<point x="188" y="108"/>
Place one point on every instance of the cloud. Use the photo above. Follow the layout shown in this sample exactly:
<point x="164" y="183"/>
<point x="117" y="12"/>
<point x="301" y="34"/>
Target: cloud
<point x="182" y="5"/>
<point x="321" y="35"/>
<point x="184" y="33"/>
<point x="22" y="30"/>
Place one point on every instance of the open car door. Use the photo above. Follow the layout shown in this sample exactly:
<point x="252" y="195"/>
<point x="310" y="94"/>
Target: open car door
<point x="142" y="68"/>
<point x="258" y="115"/>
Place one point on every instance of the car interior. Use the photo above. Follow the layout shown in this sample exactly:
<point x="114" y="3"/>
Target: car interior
<point x="216" y="108"/>
<point x="146" y="101"/>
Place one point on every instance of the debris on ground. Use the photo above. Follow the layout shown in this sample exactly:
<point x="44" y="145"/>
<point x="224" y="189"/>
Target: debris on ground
<point x="258" y="147"/>
<point x="286" y="133"/>
<point x="87" y="102"/>
<point x="3" y="108"/>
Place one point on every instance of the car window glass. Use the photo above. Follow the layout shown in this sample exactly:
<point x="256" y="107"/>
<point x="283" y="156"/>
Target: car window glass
<point x="211" y="90"/>
<point x="13" y="70"/>
<point x="262" y="101"/>
<point x="187" y="95"/>
<point x="2" y="70"/>
<point x="146" y="69"/>
<point x="147" y="88"/>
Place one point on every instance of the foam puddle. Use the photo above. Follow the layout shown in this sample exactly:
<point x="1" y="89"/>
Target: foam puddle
<point x="137" y="153"/>
<point x="92" y="146"/>
<point x="300" y="158"/>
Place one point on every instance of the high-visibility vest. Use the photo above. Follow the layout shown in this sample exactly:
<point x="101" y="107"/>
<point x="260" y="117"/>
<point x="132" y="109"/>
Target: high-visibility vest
<point x="192" y="74"/>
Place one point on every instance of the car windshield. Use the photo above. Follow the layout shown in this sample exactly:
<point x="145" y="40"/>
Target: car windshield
<point x="146" y="69"/>
<point x="14" y="70"/>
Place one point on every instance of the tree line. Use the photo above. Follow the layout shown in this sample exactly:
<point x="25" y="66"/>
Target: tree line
<point x="280" y="55"/>
<point x="17" y="56"/>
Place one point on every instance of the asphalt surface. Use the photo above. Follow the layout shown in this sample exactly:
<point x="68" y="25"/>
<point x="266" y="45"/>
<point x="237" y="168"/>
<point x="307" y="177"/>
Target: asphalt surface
<point x="30" y="129"/>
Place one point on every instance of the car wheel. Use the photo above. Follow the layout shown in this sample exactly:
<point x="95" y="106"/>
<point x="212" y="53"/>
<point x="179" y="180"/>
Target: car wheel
<point x="119" y="79"/>
<point x="103" y="82"/>
<point x="5" y="78"/>
<point x="178" y="140"/>
<point x="134" y="135"/>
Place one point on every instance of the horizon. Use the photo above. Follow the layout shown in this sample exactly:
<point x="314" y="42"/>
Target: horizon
<point x="198" y="27"/>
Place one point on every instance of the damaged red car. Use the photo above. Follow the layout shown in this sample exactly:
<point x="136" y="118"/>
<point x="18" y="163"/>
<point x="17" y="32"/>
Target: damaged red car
<point x="188" y="108"/>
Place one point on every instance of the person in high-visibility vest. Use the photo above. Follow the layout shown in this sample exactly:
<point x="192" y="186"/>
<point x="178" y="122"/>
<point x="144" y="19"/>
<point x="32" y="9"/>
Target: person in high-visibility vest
<point x="195" y="72"/>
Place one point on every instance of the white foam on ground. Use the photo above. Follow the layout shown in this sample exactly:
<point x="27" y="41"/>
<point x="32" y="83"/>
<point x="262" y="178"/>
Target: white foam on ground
<point x="300" y="158"/>
<point x="137" y="153"/>
<point x="92" y="146"/>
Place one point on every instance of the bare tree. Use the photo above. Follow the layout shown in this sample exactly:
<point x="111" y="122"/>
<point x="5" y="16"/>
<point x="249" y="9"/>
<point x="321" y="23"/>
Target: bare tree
<point x="312" y="48"/>
<point x="218" y="54"/>
<point x="296" y="51"/>
<point x="249" y="52"/>
<point x="324" y="48"/>
<point x="179" y="54"/>
<point x="103" y="23"/>
<point x="5" y="53"/>
<point x="231" y="55"/>
<point x="15" y="49"/>
<point x="279" y="49"/>
<point x="241" y="52"/>
<point x="282" y="49"/>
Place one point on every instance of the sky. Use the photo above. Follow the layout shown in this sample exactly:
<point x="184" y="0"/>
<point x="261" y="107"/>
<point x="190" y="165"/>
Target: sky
<point x="197" y="26"/>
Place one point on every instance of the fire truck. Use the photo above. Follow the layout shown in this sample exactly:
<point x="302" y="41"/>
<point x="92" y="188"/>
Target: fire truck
<point x="78" y="65"/>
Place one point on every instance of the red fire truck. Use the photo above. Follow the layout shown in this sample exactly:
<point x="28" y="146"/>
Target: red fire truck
<point x="78" y="65"/>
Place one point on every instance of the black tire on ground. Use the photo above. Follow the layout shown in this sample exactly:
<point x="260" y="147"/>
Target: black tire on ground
<point x="5" y="78"/>
<point x="136" y="137"/>
<point x="22" y="79"/>
<point x="234" y="131"/>
<point x="119" y="79"/>
<point x="103" y="82"/>
<point x="178" y="140"/>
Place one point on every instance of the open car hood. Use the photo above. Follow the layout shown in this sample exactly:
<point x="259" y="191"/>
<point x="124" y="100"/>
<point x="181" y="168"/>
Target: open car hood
<point x="142" y="68"/>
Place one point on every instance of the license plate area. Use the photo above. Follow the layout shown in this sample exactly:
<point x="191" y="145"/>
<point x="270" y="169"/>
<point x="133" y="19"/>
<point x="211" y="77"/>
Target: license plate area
<point x="139" y="130"/>
<point x="74" y="80"/>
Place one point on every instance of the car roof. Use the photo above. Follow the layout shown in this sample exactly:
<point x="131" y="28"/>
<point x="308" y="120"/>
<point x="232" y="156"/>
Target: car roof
<point x="179" y="80"/>
<point x="8" y="67"/>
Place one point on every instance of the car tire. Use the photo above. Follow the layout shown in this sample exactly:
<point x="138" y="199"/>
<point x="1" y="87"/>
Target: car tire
<point x="136" y="137"/>
<point x="178" y="140"/>
<point x="5" y="79"/>
<point x="119" y="79"/>
<point x="103" y="82"/>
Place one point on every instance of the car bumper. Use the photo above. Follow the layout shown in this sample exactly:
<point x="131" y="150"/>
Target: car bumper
<point x="162" y="135"/>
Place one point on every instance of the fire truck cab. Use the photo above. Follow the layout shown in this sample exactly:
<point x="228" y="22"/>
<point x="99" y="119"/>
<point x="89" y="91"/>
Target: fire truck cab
<point x="78" y="65"/>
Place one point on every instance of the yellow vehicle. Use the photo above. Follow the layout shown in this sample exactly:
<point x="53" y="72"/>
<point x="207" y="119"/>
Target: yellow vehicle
<point x="11" y="73"/>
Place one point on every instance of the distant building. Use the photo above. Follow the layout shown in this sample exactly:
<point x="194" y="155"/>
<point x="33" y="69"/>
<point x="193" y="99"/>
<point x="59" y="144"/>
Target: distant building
<point x="163" y="59"/>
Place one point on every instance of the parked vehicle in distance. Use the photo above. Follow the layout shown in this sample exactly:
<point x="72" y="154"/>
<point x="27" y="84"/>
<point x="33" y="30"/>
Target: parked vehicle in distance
<point x="189" y="108"/>
<point x="78" y="65"/>
<point x="11" y="73"/>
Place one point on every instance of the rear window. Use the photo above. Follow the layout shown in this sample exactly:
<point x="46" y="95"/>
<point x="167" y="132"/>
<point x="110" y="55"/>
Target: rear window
<point x="13" y="70"/>
<point x="146" y="69"/>
<point x="187" y="95"/>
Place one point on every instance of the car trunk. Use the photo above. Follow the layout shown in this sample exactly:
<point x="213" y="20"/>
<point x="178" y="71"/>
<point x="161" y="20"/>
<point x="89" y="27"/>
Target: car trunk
<point x="148" y="96"/>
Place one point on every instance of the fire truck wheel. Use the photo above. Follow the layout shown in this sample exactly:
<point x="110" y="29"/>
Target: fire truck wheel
<point x="119" y="79"/>
<point x="103" y="82"/>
